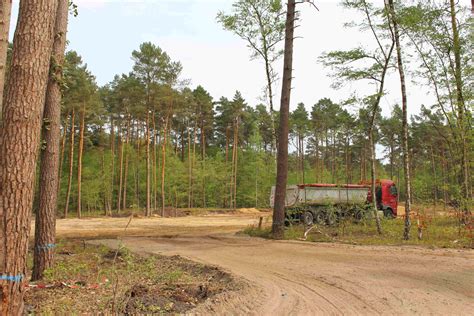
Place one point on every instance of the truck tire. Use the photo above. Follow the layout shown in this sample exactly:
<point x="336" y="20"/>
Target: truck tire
<point x="388" y="213"/>
<point x="307" y="218"/>
<point x="320" y="217"/>
<point x="331" y="218"/>
<point x="359" y="216"/>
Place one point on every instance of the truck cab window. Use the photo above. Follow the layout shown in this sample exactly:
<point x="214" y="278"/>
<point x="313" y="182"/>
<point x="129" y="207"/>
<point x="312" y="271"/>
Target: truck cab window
<point x="393" y="190"/>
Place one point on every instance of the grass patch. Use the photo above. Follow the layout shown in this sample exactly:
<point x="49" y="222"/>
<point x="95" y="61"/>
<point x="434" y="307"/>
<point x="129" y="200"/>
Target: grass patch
<point x="442" y="232"/>
<point x="89" y="279"/>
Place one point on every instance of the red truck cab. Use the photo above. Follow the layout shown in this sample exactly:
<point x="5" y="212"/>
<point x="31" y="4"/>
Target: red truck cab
<point x="387" y="197"/>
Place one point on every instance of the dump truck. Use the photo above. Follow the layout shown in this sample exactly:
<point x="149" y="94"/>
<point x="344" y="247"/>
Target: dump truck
<point x="328" y="203"/>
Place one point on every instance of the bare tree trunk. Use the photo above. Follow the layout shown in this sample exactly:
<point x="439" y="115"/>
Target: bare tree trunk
<point x="19" y="144"/>
<point x="5" y="14"/>
<point x="45" y="224"/>
<point x="127" y="153"/>
<point x="193" y="164"/>
<point x="232" y="173"/>
<point x="435" y="178"/>
<point x="460" y="109"/>
<point x="373" y="177"/>
<point x="236" y="161"/>
<point x="148" y="169"/>
<point x="405" y="148"/>
<point x="155" y="178"/>
<point x="112" y="159"/>
<point x="121" y="153"/>
<point x="71" y="163"/>
<point x="79" y="160"/>
<point x="61" y="155"/>
<point x="282" y="157"/>
<point x="163" y="168"/>
<point x="103" y="172"/>
<point x="190" y="168"/>
<point x="137" y="165"/>
<point x="227" y="141"/>
<point x="316" y="158"/>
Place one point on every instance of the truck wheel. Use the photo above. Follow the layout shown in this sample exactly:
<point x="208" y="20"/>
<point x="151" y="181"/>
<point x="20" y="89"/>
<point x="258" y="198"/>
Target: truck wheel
<point x="389" y="213"/>
<point x="320" y="218"/>
<point x="359" y="216"/>
<point x="331" y="218"/>
<point x="307" y="218"/>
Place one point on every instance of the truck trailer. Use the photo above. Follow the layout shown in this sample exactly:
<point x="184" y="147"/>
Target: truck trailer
<point x="327" y="203"/>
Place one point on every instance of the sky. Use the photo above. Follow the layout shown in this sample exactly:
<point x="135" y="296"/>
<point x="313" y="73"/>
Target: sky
<point x="107" y="31"/>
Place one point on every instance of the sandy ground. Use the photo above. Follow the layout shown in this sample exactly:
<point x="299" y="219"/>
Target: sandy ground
<point x="300" y="278"/>
<point x="156" y="226"/>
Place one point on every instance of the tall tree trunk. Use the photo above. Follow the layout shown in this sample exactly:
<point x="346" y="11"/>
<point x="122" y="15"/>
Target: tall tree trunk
<point x="79" y="160"/>
<point x="435" y="179"/>
<point x="19" y="144"/>
<point x="45" y="224"/>
<point x="282" y="158"/>
<point x="155" y="178"/>
<point x="193" y="163"/>
<point x="163" y="167"/>
<point x="61" y="155"/>
<point x="460" y="109"/>
<point x="104" y="183"/>
<point x="373" y="178"/>
<point x="232" y="171"/>
<point x="316" y="158"/>
<point x="121" y="153"/>
<point x="5" y="14"/>
<point x="125" y="173"/>
<point x="71" y="163"/>
<point x="148" y="169"/>
<point x="236" y="160"/>
<point x="112" y="160"/>
<point x="137" y="166"/>
<point x="226" y="168"/>
<point x="190" y="168"/>
<point x="405" y="148"/>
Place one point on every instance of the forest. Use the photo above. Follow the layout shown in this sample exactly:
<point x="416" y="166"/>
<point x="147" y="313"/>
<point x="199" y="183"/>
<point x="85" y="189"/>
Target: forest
<point x="149" y="142"/>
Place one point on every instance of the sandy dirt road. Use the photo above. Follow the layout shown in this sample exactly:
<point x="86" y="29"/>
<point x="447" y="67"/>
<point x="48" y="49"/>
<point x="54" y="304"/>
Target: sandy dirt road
<point x="297" y="278"/>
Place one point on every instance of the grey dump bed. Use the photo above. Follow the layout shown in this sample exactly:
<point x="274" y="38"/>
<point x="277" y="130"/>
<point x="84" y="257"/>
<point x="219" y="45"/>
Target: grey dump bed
<point x="323" y="195"/>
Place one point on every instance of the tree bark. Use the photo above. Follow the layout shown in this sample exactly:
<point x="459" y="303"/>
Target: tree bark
<point x="163" y="168"/>
<point x="112" y="159"/>
<point x="61" y="155"/>
<point x="125" y="173"/>
<point x="71" y="163"/>
<point x="154" y="165"/>
<point x="45" y="224"/>
<point x="5" y="14"/>
<point x="19" y="144"/>
<point x="190" y="172"/>
<point x="460" y="109"/>
<point x="79" y="160"/>
<point x="282" y="157"/>
<point x="405" y="148"/>
<point x="148" y="169"/>
<point x="121" y="153"/>
<point x="236" y="160"/>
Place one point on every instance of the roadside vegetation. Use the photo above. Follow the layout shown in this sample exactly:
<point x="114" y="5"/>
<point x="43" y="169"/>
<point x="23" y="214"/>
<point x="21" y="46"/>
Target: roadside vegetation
<point x="87" y="278"/>
<point x="438" y="231"/>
